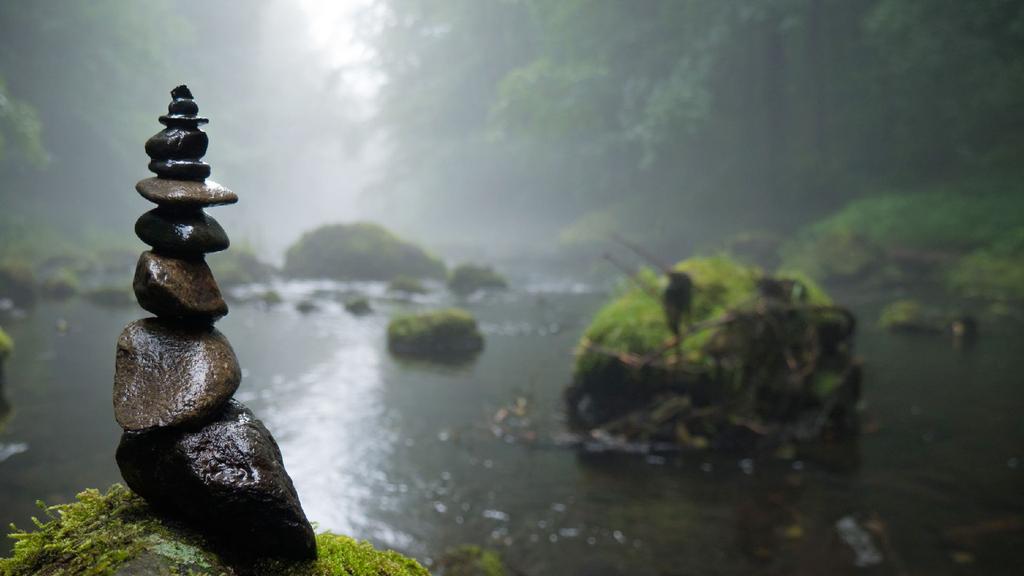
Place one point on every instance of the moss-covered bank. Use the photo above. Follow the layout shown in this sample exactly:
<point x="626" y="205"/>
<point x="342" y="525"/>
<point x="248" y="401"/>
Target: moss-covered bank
<point x="470" y="561"/>
<point x="759" y="359"/>
<point x="116" y="534"/>
<point x="6" y="346"/>
<point x="450" y="334"/>
<point x="969" y="240"/>
<point x="360" y="251"/>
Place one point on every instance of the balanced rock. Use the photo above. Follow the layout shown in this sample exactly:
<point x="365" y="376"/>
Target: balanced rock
<point x="185" y="193"/>
<point x="176" y="151"/>
<point x="171" y="374"/>
<point x="181" y="232"/>
<point x="228" y="477"/>
<point x="177" y="288"/>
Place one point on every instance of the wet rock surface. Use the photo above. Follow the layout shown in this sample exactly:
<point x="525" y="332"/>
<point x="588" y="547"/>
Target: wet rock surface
<point x="181" y="232"/>
<point x="177" y="288"/>
<point x="171" y="374"/>
<point x="227" y="476"/>
<point x="185" y="193"/>
<point x="188" y="449"/>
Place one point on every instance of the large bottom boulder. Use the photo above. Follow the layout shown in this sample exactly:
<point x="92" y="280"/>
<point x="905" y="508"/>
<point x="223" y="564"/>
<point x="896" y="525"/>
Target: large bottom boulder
<point x="227" y="479"/>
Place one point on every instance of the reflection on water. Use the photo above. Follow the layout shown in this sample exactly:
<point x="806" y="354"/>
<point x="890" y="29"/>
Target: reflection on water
<point x="405" y="455"/>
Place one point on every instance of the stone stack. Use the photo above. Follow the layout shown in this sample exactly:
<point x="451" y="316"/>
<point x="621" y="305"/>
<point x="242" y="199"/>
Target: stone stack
<point x="188" y="448"/>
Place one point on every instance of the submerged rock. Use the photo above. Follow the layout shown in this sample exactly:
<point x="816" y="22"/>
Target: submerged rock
<point x="450" y="334"/>
<point x="170" y="374"/>
<point x="468" y="278"/>
<point x="181" y="232"/>
<point x="177" y="288"/>
<point x="118" y="534"/>
<point x="226" y="476"/>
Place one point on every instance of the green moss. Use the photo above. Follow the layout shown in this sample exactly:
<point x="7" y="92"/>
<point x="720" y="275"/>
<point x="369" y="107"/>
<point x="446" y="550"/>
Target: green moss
<point x="360" y="251"/>
<point x="994" y="272"/>
<point x="445" y="333"/>
<point x="901" y="314"/>
<point x="860" y="240"/>
<point x="751" y="357"/>
<point x="101" y="533"/>
<point x="406" y="285"/>
<point x="470" y="561"/>
<point x="634" y="322"/>
<point x="6" y="345"/>
<point x="468" y="278"/>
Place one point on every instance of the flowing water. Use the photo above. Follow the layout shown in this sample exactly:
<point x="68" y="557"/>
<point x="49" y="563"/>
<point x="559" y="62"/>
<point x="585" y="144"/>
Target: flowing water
<point x="406" y="454"/>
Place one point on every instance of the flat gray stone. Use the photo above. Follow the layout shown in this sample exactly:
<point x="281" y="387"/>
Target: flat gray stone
<point x="172" y="374"/>
<point x="176" y="288"/>
<point x="185" y="193"/>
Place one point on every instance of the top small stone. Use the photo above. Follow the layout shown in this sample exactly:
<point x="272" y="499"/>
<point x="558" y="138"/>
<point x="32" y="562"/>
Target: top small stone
<point x="182" y="111"/>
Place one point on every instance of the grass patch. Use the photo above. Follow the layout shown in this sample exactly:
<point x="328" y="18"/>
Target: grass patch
<point x="102" y="532"/>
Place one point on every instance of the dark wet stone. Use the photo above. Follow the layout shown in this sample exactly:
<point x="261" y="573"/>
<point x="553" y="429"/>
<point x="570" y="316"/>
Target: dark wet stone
<point x="171" y="374"/>
<point x="177" y="288"/>
<point x="226" y="478"/>
<point x="181" y="232"/>
<point x="180" y="169"/>
<point x="185" y="193"/>
<point x="183" y="107"/>
<point x="177" y="143"/>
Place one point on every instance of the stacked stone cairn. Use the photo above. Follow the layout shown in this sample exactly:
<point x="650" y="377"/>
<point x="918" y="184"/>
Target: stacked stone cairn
<point x="188" y="448"/>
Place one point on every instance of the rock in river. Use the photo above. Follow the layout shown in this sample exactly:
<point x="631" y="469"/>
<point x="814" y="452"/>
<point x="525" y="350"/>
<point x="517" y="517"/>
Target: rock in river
<point x="177" y="288"/>
<point x="171" y="374"/>
<point x="181" y="232"/>
<point x="227" y="476"/>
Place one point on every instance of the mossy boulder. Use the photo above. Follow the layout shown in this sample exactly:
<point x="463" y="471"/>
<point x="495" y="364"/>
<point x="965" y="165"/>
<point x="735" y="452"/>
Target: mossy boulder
<point x="909" y="316"/>
<point x="468" y="278"/>
<point x="358" y="306"/>
<point x="116" y="534"/>
<point x="470" y="561"/>
<point x="17" y="283"/>
<point x="360" y="251"/>
<point x="406" y="285"/>
<point x="439" y="334"/>
<point x="111" y="296"/>
<point x="993" y="272"/>
<point x="760" y="358"/>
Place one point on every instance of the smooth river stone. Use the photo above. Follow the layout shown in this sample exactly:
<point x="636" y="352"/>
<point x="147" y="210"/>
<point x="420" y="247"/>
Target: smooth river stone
<point x="171" y="374"/>
<point x="180" y="169"/>
<point x="225" y="478"/>
<point x="177" y="143"/>
<point x="185" y="193"/>
<point x="181" y="232"/>
<point x="177" y="288"/>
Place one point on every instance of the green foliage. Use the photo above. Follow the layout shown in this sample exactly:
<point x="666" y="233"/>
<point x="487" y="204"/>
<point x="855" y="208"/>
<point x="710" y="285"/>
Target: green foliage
<point x="858" y="240"/>
<point x="468" y="278"/>
<point x="994" y="272"/>
<point x="448" y="333"/>
<point x="360" y="251"/>
<point x="6" y="345"/>
<point x="102" y="532"/>
<point x="470" y="561"/>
